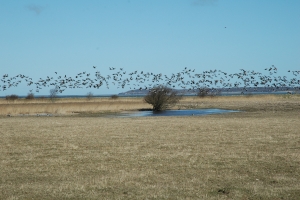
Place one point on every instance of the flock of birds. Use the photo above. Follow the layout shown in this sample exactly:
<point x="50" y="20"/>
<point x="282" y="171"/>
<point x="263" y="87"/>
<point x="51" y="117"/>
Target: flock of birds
<point x="186" y="79"/>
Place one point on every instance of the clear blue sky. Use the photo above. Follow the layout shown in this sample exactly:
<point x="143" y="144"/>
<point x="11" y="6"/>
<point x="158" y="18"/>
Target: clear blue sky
<point x="38" y="38"/>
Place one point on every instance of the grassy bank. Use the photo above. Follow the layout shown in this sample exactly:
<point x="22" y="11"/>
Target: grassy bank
<point x="246" y="155"/>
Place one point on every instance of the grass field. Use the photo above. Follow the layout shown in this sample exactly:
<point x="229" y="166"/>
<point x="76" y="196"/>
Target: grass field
<point x="69" y="106"/>
<point x="254" y="154"/>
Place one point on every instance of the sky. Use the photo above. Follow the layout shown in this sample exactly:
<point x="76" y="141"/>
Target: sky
<point x="39" y="38"/>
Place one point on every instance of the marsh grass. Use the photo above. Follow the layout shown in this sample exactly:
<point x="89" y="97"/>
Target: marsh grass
<point x="245" y="155"/>
<point x="97" y="105"/>
<point x="243" y="103"/>
<point x="70" y="106"/>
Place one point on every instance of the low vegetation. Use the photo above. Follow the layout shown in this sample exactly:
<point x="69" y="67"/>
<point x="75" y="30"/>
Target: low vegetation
<point x="12" y="97"/>
<point x="162" y="98"/>
<point x="114" y="97"/>
<point x="89" y="96"/>
<point x="246" y="155"/>
<point x="30" y="96"/>
<point x="69" y="106"/>
<point x="53" y="94"/>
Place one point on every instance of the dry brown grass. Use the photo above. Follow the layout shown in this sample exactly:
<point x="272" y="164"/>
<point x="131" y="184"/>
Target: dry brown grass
<point x="97" y="105"/>
<point x="244" y="103"/>
<point x="246" y="155"/>
<point x="70" y="106"/>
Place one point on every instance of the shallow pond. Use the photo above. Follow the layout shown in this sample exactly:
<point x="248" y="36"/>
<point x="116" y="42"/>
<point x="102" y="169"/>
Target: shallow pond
<point x="196" y="112"/>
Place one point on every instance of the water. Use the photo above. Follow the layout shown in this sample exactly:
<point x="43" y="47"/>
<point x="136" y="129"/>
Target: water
<point x="196" y="112"/>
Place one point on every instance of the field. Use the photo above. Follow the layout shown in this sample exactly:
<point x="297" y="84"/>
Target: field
<point x="80" y="153"/>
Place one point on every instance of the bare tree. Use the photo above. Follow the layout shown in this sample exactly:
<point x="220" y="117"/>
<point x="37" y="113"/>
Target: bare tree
<point x="203" y="92"/>
<point x="53" y="94"/>
<point x="30" y="96"/>
<point x="162" y="98"/>
<point x="89" y="96"/>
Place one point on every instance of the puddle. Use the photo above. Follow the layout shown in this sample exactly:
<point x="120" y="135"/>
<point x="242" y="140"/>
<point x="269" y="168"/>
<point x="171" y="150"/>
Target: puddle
<point x="196" y="112"/>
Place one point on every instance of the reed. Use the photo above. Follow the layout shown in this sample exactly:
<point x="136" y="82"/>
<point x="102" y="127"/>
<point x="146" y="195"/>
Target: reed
<point x="78" y="105"/>
<point x="70" y="106"/>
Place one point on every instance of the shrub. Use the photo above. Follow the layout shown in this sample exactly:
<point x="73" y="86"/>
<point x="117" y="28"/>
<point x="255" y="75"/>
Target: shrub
<point x="205" y="91"/>
<point x="114" y="96"/>
<point x="30" y="96"/>
<point x="162" y="98"/>
<point x="53" y="94"/>
<point x="89" y="95"/>
<point x="12" y="97"/>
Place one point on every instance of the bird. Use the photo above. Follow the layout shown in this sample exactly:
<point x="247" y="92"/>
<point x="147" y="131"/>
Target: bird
<point x="212" y="78"/>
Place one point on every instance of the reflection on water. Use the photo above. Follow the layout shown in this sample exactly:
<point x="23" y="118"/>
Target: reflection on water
<point x="175" y="113"/>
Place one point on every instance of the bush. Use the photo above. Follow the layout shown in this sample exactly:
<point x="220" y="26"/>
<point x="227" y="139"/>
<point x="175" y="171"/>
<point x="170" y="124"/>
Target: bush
<point x="204" y="91"/>
<point x="30" y="96"/>
<point x="53" y="94"/>
<point x="162" y="98"/>
<point x="114" y="96"/>
<point x="12" y="97"/>
<point x="89" y="95"/>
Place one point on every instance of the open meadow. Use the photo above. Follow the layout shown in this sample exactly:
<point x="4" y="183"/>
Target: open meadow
<point x="77" y="152"/>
